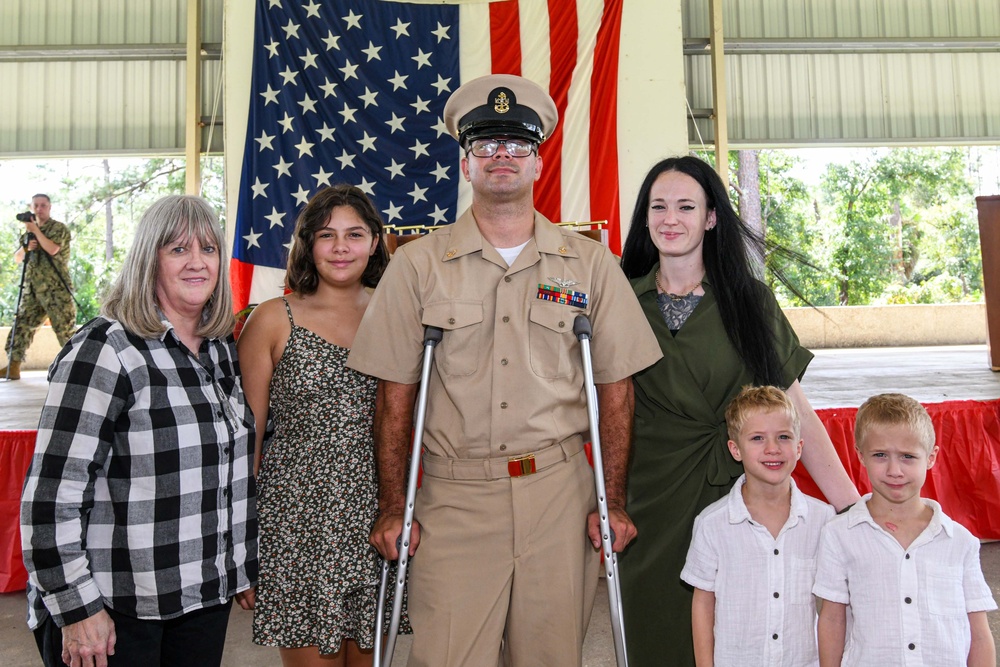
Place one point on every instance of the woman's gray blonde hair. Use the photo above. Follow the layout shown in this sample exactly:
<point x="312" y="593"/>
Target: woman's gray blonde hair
<point x="131" y="299"/>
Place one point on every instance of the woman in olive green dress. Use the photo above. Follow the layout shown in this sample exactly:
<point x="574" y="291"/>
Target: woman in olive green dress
<point x="688" y="256"/>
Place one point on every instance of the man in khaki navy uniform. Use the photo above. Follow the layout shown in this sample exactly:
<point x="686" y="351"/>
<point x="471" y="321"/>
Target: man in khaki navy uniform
<point x="46" y="285"/>
<point x="502" y="542"/>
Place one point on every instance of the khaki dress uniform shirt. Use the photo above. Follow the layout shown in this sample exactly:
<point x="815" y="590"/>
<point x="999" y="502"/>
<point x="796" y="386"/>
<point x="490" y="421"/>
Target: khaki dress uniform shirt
<point x="507" y="378"/>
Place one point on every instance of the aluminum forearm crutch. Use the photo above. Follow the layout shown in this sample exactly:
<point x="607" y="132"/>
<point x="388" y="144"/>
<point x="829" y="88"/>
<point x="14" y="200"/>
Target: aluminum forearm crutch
<point x="583" y="332"/>
<point x="432" y="336"/>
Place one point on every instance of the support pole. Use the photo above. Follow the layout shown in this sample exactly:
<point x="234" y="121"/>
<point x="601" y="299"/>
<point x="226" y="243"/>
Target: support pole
<point x="192" y="115"/>
<point x="720" y="117"/>
<point x="989" y="239"/>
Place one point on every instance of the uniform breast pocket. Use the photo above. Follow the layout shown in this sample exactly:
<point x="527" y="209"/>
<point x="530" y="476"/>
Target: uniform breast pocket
<point x="462" y="321"/>
<point x="550" y="337"/>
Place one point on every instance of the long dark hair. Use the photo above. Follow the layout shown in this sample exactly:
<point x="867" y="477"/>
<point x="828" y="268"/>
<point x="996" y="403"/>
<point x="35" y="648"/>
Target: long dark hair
<point x="301" y="274"/>
<point x="727" y="252"/>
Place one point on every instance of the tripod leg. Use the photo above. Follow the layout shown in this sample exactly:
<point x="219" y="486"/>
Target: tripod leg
<point x="17" y="315"/>
<point x="432" y="336"/>
<point x="583" y="332"/>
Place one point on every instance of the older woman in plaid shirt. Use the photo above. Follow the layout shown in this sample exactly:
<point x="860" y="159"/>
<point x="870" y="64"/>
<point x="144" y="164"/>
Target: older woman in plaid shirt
<point x="138" y="517"/>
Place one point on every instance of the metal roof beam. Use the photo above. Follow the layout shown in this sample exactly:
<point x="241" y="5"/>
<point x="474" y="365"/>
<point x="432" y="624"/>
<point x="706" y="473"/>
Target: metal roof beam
<point x="97" y="52"/>
<point x="795" y="46"/>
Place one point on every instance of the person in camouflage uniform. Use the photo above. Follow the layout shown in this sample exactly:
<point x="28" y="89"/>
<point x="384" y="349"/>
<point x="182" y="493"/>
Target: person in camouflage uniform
<point x="46" y="285"/>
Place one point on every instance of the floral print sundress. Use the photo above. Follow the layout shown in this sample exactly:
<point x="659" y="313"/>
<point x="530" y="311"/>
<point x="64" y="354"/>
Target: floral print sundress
<point x="317" y="502"/>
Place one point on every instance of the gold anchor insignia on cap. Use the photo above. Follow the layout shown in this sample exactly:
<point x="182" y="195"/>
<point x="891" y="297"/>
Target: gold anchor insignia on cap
<point x="501" y="104"/>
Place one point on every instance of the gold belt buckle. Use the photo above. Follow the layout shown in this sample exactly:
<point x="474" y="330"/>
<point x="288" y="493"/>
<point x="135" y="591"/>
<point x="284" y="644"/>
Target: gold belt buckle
<point x="518" y="466"/>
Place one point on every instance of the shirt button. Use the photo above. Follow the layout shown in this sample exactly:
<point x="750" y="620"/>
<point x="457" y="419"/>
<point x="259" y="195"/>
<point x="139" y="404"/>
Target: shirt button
<point x="776" y="594"/>
<point x="503" y="448"/>
<point x="911" y="646"/>
<point x="226" y="450"/>
<point x="225" y="492"/>
<point x="774" y="636"/>
<point x="907" y="556"/>
<point x="775" y="552"/>
<point x="562" y="324"/>
<point x="907" y="600"/>
<point x="506" y="319"/>
<point x="506" y="279"/>
<point x="208" y="378"/>
<point x="503" y="362"/>
<point x="219" y="414"/>
<point x="503" y="406"/>
<point x="451" y="320"/>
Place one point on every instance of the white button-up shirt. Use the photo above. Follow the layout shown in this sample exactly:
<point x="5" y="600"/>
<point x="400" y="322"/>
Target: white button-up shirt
<point x="910" y="606"/>
<point x="765" y="613"/>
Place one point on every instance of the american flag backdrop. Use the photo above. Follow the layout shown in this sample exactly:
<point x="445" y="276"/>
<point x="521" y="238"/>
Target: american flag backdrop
<point x="354" y="90"/>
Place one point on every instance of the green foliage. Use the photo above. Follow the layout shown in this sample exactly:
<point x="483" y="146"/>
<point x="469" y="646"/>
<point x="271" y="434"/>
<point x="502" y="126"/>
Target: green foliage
<point x="789" y="222"/>
<point x="10" y="271"/>
<point x="891" y="226"/>
<point x="899" y="217"/>
<point x="939" y="289"/>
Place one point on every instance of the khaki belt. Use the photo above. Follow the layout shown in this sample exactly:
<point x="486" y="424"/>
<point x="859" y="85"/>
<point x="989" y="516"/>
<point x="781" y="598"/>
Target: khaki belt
<point x="500" y="468"/>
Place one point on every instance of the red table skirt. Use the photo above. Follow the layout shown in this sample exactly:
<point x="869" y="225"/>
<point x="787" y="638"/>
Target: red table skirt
<point x="965" y="479"/>
<point x="16" y="448"/>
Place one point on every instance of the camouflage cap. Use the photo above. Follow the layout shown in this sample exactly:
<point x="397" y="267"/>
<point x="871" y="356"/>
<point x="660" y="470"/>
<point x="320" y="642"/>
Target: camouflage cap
<point x="500" y="104"/>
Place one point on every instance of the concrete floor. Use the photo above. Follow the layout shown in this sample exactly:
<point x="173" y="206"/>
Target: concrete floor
<point x="17" y="647"/>
<point x="843" y="378"/>
<point x="836" y="378"/>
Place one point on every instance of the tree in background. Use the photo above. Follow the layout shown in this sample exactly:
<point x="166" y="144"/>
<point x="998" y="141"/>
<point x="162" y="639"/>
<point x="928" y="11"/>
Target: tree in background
<point x="892" y="216"/>
<point x="788" y="221"/>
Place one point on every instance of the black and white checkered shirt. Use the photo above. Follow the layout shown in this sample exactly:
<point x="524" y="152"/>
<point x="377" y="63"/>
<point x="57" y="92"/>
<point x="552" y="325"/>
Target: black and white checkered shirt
<point x="140" y="494"/>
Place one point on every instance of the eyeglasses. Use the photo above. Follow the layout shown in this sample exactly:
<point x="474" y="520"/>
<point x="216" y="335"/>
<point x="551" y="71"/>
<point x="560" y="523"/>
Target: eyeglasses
<point x="514" y="147"/>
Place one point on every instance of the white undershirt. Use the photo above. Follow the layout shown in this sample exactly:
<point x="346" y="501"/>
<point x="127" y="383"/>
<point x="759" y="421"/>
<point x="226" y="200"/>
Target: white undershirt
<point x="510" y="254"/>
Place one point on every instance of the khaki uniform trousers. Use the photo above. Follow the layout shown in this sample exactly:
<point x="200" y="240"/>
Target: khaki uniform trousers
<point x="504" y="559"/>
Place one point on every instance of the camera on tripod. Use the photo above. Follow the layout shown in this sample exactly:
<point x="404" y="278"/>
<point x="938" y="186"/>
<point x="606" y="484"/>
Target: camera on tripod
<point x="27" y="216"/>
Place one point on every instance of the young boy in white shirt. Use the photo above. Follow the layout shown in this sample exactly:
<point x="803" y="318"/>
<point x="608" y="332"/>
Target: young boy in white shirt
<point x="752" y="554"/>
<point x="910" y="575"/>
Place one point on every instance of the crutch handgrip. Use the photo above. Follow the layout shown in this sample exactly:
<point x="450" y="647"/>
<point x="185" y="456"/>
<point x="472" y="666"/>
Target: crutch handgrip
<point x="581" y="327"/>
<point x="432" y="335"/>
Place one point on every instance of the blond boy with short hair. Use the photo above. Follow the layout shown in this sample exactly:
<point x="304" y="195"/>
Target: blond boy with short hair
<point x="752" y="554"/>
<point x="910" y="575"/>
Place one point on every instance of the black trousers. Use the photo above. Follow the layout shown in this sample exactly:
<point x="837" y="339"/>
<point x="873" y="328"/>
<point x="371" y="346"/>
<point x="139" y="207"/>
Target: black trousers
<point x="195" y="639"/>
